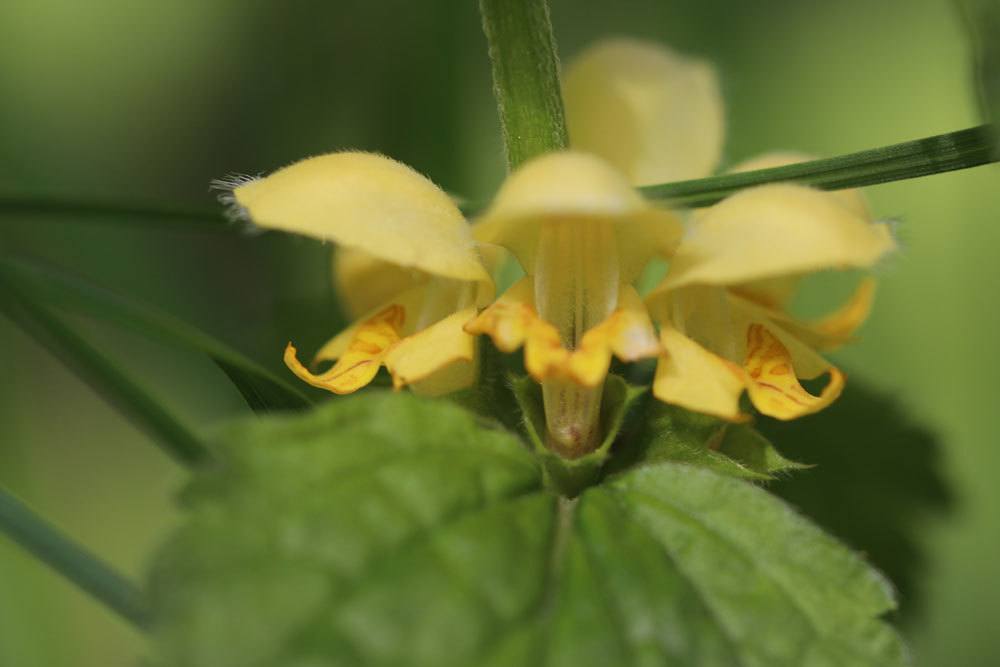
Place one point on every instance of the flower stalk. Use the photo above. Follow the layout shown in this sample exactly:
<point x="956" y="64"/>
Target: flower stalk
<point x="525" y="77"/>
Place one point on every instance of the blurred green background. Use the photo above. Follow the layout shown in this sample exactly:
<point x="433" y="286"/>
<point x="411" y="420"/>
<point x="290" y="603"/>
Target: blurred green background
<point x="150" y="101"/>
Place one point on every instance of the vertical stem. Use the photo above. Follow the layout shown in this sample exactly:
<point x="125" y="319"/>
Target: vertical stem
<point x="525" y="77"/>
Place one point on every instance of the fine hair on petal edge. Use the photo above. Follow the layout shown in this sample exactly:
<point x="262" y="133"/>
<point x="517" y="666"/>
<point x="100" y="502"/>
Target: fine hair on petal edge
<point x="233" y="211"/>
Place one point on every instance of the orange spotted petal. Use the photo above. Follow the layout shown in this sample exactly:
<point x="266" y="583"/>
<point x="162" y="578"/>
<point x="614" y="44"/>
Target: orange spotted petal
<point x="513" y="322"/>
<point x="771" y="378"/>
<point x="359" y="363"/>
<point x="627" y="333"/>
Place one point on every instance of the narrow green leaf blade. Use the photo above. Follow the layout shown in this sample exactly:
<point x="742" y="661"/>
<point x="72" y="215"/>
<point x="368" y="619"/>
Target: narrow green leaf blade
<point x="911" y="159"/>
<point x="260" y="388"/>
<point x="91" y="574"/>
<point x="385" y="529"/>
<point x="157" y="216"/>
<point x="103" y="375"/>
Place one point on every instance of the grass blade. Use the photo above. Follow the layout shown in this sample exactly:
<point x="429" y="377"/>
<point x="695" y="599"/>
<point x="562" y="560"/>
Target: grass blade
<point x="911" y="159"/>
<point x="103" y="375"/>
<point x="85" y="570"/>
<point x="262" y="390"/>
<point x="115" y="212"/>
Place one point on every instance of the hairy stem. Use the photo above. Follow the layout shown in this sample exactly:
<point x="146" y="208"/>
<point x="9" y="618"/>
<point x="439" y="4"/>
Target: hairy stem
<point x="525" y="77"/>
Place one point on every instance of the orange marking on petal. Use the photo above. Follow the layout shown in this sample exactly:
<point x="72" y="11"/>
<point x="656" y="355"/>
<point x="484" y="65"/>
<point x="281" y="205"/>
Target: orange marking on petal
<point x="625" y="333"/>
<point x="360" y="362"/>
<point x="773" y="387"/>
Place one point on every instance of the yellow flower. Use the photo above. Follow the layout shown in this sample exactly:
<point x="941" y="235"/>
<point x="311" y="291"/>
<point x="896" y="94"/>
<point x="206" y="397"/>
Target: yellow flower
<point x="412" y="268"/>
<point x="407" y="262"/>
<point x="721" y="308"/>
<point x="582" y="234"/>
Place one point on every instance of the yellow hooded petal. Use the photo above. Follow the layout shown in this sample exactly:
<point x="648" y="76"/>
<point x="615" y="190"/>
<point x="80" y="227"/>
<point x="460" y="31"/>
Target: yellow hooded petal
<point x="852" y="199"/>
<point x="777" y="292"/>
<point x="359" y="363"/>
<point x="508" y="319"/>
<point x="437" y="360"/>
<point x="652" y="113"/>
<point x="772" y="384"/>
<point x="774" y="230"/>
<point x="369" y="202"/>
<point x="364" y="282"/>
<point x="690" y="376"/>
<point x="577" y="188"/>
<point x="512" y="322"/>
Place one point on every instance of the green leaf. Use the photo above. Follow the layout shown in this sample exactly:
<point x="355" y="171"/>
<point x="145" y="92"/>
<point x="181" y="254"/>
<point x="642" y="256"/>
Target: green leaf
<point x="261" y="390"/>
<point x="103" y="375"/>
<point x="670" y="433"/>
<point x="877" y="478"/>
<point x="384" y="529"/>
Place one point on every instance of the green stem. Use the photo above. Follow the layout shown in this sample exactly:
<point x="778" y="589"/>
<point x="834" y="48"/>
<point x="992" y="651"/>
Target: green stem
<point x="103" y="375"/>
<point x="21" y="207"/>
<point x="911" y="159"/>
<point x="72" y="561"/>
<point x="525" y="77"/>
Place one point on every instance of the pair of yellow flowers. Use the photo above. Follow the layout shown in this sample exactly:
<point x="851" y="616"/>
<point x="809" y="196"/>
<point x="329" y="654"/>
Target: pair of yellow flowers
<point x="420" y="276"/>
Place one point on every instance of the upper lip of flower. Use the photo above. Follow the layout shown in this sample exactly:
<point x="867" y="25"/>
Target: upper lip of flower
<point x="391" y="214"/>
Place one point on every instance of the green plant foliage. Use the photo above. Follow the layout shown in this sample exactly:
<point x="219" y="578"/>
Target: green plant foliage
<point x="103" y="375"/>
<point x="132" y="215"/>
<point x="876" y="476"/>
<point x="261" y="389"/>
<point x="384" y="529"/>
<point x="669" y="433"/>
<point x="911" y="159"/>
